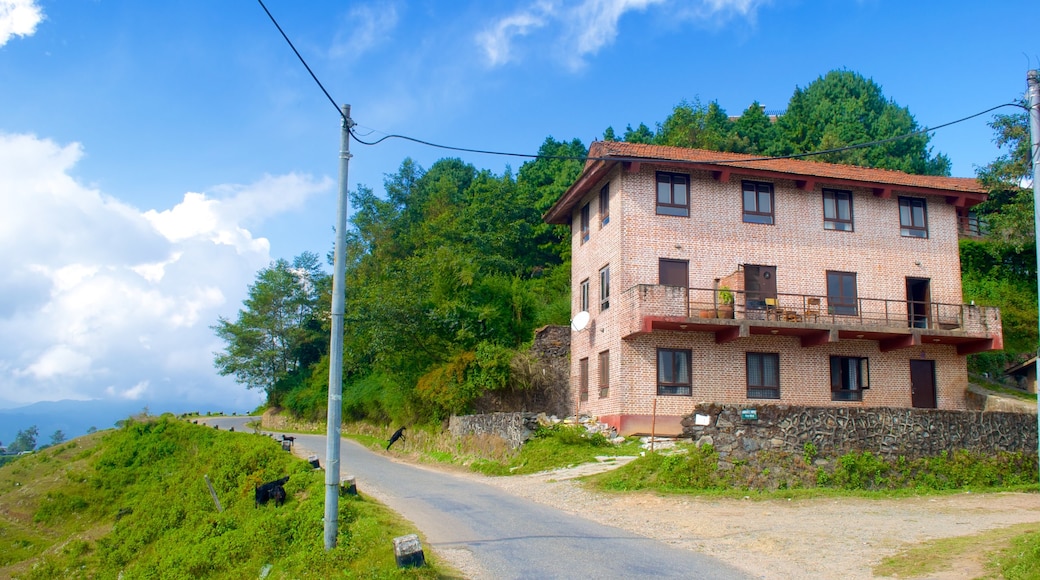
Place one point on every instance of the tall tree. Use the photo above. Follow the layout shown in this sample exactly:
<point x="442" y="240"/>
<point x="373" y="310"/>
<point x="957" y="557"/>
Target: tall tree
<point x="279" y="331"/>
<point x="697" y="126"/>
<point x="25" y="440"/>
<point x="844" y="108"/>
<point x="1009" y="210"/>
<point x="1000" y="269"/>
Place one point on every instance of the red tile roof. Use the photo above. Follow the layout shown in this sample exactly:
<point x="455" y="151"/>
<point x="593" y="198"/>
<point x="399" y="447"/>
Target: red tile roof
<point x="604" y="155"/>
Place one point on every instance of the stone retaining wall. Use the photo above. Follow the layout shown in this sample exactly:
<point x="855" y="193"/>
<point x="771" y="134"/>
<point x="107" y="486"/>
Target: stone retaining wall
<point x="837" y="431"/>
<point x="516" y="428"/>
<point x="275" y="420"/>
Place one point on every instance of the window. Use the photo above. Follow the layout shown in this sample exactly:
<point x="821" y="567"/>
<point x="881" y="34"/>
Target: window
<point x="673" y="372"/>
<point x="604" y="205"/>
<point x="763" y="375"/>
<point x="841" y="293"/>
<point x="604" y="374"/>
<point x="837" y="210"/>
<point x="604" y="288"/>
<point x="758" y="202"/>
<point x="850" y="376"/>
<point x="583" y="379"/>
<point x="583" y="299"/>
<point x="672" y="194"/>
<point x="913" y="217"/>
<point x="585" y="223"/>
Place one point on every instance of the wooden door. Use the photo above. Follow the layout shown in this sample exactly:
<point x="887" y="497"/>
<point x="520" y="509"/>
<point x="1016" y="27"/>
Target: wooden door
<point x="674" y="273"/>
<point x="922" y="384"/>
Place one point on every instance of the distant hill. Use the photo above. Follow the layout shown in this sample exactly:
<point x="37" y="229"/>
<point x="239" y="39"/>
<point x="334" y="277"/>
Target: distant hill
<point x="74" y="418"/>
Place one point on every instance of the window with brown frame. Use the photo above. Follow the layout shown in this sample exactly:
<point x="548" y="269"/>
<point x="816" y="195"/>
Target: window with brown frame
<point x="585" y="223"/>
<point x="850" y="376"/>
<point x="673" y="372"/>
<point x="758" y="202"/>
<point x="673" y="196"/>
<point x="604" y="206"/>
<point x="583" y="379"/>
<point x="604" y="374"/>
<point x="913" y="217"/>
<point x="841" y="293"/>
<point x="604" y="288"/>
<point x="583" y="296"/>
<point x="763" y="375"/>
<point x="837" y="210"/>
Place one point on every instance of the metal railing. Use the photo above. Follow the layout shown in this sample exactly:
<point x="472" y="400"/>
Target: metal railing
<point x="809" y="308"/>
<point x="972" y="226"/>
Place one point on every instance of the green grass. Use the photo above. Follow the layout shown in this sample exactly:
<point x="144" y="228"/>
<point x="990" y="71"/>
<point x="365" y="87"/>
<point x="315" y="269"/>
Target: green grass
<point x="132" y="503"/>
<point x="1012" y="553"/>
<point x="555" y="447"/>
<point x="1021" y="560"/>
<point x="549" y="448"/>
<point x="699" y="470"/>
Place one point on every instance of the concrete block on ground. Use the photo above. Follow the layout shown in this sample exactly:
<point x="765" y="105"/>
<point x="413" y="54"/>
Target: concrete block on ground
<point x="349" y="486"/>
<point x="408" y="552"/>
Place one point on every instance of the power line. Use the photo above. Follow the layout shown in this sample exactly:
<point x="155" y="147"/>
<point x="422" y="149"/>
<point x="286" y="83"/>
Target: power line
<point x="299" y="56"/>
<point x="587" y="158"/>
<point x="712" y="161"/>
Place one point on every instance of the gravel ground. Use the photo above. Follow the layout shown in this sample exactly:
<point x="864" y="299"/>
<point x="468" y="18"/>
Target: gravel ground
<point x="781" y="539"/>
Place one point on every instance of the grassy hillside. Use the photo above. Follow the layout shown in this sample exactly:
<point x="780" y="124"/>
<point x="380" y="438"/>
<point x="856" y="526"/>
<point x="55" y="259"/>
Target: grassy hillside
<point x="132" y="503"/>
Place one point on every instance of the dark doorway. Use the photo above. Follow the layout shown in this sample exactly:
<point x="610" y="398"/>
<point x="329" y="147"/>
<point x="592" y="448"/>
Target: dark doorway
<point x="922" y="384"/>
<point x="918" y="302"/>
<point x="674" y="273"/>
<point x="759" y="285"/>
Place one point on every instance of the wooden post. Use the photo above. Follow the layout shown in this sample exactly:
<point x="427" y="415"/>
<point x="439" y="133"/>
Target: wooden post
<point x="213" y="492"/>
<point x="653" y="426"/>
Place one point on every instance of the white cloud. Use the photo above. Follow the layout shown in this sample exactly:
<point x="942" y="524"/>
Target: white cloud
<point x="497" y="40"/>
<point x="364" y="27"/>
<point x="102" y="299"/>
<point x="571" y="30"/>
<point x="18" y="18"/>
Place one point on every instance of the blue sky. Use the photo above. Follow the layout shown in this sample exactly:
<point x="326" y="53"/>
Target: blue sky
<point x="155" y="155"/>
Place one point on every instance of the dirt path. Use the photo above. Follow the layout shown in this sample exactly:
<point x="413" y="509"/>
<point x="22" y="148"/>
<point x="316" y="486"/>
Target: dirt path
<point x="818" y="538"/>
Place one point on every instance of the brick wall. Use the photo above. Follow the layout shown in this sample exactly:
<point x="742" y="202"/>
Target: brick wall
<point x="716" y="242"/>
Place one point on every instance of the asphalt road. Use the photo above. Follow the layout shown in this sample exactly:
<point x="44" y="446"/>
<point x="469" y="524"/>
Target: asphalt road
<point x="507" y="536"/>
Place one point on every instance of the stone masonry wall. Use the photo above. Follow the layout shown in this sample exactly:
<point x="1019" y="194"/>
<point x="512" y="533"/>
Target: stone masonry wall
<point x="275" y="420"/>
<point x="838" y="430"/>
<point x="513" y="427"/>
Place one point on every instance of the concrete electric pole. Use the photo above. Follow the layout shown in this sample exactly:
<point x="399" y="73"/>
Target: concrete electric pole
<point x="1033" y="81"/>
<point x="336" y="343"/>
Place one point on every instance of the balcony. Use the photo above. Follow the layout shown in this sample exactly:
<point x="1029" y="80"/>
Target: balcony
<point x="813" y="319"/>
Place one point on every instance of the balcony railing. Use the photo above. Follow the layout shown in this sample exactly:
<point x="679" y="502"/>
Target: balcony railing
<point x="972" y="226"/>
<point x="786" y="307"/>
<point x="814" y="319"/>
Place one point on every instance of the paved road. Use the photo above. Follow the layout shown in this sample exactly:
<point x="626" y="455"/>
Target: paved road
<point x="508" y="537"/>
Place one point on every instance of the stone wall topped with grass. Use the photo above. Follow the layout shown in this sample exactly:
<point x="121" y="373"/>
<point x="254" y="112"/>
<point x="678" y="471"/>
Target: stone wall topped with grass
<point x="738" y="431"/>
<point x="513" y="427"/>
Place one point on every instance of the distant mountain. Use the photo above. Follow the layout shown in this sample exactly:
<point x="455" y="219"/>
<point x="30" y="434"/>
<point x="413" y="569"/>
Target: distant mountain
<point x="75" y="418"/>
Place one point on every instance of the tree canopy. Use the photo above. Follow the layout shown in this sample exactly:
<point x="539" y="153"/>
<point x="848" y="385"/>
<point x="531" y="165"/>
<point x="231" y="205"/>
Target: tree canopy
<point x="839" y="109"/>
<point x="278" y="334"/>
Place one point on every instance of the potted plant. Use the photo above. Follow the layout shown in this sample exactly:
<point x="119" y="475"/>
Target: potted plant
<point x="725" y="302"/>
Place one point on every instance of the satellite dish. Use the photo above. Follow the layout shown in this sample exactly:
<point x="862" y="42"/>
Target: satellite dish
<point x="580" y="321"/>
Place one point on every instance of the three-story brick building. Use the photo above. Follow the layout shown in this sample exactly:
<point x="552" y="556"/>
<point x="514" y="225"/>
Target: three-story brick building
<point x="726" y="278"/>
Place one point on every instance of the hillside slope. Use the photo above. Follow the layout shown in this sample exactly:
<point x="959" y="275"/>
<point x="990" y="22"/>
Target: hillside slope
<point x="132" y="503"/>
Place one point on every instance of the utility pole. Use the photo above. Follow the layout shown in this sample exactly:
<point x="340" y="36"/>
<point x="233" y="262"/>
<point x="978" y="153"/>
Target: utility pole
<point x="1033" y="81"/>
<point x="336" y="343"/>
